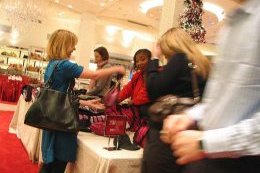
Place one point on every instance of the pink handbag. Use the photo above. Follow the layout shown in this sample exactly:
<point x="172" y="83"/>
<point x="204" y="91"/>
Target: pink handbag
<point x="141" y="133"/>
<point x="110" y="97"/>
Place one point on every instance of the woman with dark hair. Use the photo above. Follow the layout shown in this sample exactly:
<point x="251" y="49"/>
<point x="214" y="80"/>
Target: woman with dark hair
<point x="135" y="89"/>
<point x="101" y="86"/>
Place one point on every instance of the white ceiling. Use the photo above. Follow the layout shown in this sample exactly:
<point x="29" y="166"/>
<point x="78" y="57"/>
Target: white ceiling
<point x="129" y="10"/>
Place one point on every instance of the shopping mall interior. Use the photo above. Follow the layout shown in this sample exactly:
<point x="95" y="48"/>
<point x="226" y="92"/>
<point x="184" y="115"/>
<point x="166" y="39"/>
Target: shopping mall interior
<point x="121" y="26"/>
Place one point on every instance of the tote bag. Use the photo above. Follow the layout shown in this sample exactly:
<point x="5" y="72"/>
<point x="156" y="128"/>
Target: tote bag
<point x="53" y="110"/>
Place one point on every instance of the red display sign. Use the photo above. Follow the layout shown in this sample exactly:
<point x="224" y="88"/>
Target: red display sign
<point x="115" y="125"/>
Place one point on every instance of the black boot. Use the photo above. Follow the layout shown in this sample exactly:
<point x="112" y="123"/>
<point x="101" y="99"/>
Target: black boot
<point x="124" y="142"/>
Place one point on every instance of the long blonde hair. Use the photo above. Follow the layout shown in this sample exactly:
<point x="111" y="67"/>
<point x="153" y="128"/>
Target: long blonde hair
<point x="59" y="43"/>
<point x="176" y="40"/>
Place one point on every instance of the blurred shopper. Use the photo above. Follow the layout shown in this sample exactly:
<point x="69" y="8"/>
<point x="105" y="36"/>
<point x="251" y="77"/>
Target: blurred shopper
<point x="59" y="148"/>
<point x="101" y="86"/>
<point x="175" y="78"/>
<point x="229" y="115"/>
<point x="135" y="89"/>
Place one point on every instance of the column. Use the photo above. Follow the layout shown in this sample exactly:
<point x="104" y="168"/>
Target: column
<point x="170" y="14"/>
<point x="87" y="39"/>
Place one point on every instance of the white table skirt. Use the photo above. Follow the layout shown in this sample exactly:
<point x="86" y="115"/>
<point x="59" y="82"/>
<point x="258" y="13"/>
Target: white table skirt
<point x="93" y="158"/>
<point x="29" y="136"/>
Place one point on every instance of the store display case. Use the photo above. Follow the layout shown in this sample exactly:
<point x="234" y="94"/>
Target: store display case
<point x="10" y="59"/>
<point x="37" y="63"/>
<point x="27" y="61"/>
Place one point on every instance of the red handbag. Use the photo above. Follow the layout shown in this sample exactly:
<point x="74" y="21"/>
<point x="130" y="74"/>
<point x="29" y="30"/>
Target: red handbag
<point x="114" y="125"/>
<point x="130" y="111"/>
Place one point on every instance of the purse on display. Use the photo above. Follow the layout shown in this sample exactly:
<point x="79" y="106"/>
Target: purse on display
<point x="130" y="111"/>
<point x="113" y="125"/>
<point x="53" y="110"/>
<point x="172" y="104"/>
<point x="87" y="116"/>
<point x="110" y="98"/>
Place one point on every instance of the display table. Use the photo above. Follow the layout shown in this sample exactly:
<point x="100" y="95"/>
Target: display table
<point x="91" y="156"/>
<point x="29" y="136"/>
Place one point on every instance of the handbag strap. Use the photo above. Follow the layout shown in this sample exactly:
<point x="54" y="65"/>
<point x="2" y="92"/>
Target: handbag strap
<point x="194" y="82"/>
<point x="48" y="83"/>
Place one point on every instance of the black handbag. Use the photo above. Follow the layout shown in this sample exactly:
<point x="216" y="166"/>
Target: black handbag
<point x="172" y="104"/>
<point x="53" y="110"/>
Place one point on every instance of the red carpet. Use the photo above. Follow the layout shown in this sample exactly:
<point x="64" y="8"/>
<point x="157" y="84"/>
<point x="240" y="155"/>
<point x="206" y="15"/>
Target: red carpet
<point x="13" y="157"/>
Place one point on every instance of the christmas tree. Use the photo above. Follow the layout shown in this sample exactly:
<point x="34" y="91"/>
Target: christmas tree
<point x="191" y="20"/>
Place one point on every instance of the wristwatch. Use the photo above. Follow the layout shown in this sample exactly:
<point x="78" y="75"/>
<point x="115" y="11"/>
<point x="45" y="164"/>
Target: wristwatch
<point x="201" y="147"/>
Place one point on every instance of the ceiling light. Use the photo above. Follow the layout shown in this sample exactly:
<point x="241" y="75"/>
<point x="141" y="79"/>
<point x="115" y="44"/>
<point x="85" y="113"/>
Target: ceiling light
<point x="128" y="37"/>
<point x="146" y="5"/>
<point x="15" y="34"/>
<point x="217" y="10"/>
<point x="112" y="29"/>
<point x="14" y="41"/>
<point x="57" y="1"/>
<point x="70" y="6"/>
<point x="2" y="33"/>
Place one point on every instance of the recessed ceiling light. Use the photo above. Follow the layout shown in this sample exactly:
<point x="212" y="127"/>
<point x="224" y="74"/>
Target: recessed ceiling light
<point x="70" y="6"/>
<point x="217" y="10"/>
<point x="102" y="4"/>
<point x="146" y="5"/>
<point x="57" y="1"/>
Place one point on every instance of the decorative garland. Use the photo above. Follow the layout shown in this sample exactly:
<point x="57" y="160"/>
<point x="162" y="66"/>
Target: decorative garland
<point x="191" y="20"/>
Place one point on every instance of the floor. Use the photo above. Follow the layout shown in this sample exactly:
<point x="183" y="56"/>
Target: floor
<point x="5" y="106"/>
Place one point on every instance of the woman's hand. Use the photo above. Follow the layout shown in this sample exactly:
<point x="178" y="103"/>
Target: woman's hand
<point x="156" y="51"/>
<point x="186" y="146"/>
<point x="174" y="124"/>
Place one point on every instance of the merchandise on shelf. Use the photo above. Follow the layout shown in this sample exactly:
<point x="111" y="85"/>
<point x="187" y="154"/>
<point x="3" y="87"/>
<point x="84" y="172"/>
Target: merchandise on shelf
<point x="12" y="54"/>
<point x="17" y="60"/>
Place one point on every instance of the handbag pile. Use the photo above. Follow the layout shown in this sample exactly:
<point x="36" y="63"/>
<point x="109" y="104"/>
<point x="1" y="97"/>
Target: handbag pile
<point x="172" y="104"/>
<point x="88" y="116"/>
<point x="54" y="110"/>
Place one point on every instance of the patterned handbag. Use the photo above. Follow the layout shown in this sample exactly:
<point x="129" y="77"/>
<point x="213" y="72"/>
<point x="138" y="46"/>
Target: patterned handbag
<point x="172" y="104"/>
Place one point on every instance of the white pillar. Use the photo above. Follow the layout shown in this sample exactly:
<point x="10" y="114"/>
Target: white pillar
<point x="170" y="14"/>
<point x="87" y="39"/>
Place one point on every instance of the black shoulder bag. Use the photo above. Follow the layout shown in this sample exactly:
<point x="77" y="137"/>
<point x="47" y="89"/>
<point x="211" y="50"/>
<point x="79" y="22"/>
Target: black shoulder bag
<point x="172" y="104"/>
<point x="53" y="110"/>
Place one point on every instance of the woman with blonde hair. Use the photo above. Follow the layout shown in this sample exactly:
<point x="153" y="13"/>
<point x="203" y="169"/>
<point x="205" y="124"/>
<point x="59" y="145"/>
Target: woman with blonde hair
<point x="59" y="148"/>
<point x="175" y="78"/>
